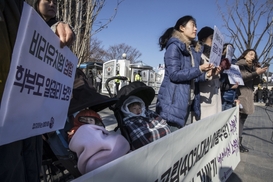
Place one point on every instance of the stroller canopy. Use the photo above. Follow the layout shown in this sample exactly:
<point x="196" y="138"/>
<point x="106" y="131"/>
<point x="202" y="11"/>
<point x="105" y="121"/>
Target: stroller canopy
<point x="86" y="96"/>
<point x="138" y="89"/>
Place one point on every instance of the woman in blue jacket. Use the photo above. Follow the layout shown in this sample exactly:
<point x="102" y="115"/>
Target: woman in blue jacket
<point x="179" y="92"/>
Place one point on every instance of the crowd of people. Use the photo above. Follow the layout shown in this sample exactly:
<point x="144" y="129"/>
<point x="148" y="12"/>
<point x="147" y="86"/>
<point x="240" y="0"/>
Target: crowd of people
<point x="263" y="95"/>
<point x="191" y="86"/>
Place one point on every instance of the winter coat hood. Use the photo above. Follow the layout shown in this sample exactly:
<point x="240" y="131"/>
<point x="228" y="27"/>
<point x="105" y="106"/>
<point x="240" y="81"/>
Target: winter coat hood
<point x="77" y="123"/>
<point x="181" y="37"/>
<point x="127" y="102"/>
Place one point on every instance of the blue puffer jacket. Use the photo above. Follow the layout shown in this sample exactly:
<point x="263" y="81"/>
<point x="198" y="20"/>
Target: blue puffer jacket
<point x="174" y="94"/>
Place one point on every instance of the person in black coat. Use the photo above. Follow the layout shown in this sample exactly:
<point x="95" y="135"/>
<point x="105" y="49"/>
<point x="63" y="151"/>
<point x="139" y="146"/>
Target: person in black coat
<point x="21" y="160"/>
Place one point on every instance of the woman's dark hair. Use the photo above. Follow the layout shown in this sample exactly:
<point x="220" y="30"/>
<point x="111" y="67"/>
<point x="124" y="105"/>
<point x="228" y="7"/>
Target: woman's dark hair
<point x="134" y="104"/>
<point x="168" y="33"/>
<point x="224" y="49"/>
<point x="225" y="46"/>
<point x="52" y="21"/>
<point x="225" y="62"/>
<point x="245" y="53"/>
<point x="36" y="6"/>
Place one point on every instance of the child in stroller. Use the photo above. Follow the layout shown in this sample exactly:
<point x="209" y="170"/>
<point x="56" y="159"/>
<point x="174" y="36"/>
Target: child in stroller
<point x="84" y="96"/>
<point x="144" y="126"/>
<point x="93" y="144"/>
<point x="141" y="129"/>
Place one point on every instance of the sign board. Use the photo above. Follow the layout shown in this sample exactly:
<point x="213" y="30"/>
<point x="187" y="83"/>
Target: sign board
<point x="207" y="150"/>
<point x="216" y="47"/>
<point x="234" y="75"/>
<point x="229" y="52"/>
<point x="40" y="81"/>
<point x="108" y="71"/>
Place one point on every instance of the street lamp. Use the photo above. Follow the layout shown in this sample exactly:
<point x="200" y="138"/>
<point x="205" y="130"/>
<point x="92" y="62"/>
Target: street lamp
<point x="124" y="55"/>
<point x="268" y="55"/>
<point x="267" y="74"/>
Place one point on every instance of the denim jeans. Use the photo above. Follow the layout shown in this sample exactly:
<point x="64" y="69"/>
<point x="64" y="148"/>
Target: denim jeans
<point x="226" y="105"/>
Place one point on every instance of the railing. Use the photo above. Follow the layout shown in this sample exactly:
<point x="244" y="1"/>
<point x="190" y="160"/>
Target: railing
<point x="110" y="79"/>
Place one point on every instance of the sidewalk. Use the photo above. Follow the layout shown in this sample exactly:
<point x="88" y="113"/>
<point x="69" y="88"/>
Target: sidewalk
<point x="257" y="164"/>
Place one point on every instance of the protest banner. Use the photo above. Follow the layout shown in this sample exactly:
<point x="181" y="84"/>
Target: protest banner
<point x="229" y="53"/>
<point x="40" y="81"/>
<point x="234" y="75"/>
<point x="216" y="47"/>
<point x="206" y="150"/>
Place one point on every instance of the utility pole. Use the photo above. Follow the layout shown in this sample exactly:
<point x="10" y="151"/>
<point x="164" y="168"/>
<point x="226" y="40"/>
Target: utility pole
<point x="268" y="55"/>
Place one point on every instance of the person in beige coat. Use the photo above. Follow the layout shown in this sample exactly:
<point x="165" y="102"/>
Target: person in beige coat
<point x="250" y="72"/>
<point x="210" y="96"/>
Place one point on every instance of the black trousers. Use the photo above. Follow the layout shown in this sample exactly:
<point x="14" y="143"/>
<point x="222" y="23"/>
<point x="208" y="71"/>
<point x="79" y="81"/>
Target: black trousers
<point x="117" y="86"/>
<point x="21" y="161"/>
<point x="242" y="121"/>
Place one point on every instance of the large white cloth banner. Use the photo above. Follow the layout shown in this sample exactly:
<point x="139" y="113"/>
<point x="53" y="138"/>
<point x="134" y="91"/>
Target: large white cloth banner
<point x="40" y="82"/>
<point x="207" y="150"/>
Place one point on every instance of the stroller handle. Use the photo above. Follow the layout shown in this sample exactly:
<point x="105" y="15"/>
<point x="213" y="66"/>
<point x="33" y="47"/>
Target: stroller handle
<point x="110" y="79"/>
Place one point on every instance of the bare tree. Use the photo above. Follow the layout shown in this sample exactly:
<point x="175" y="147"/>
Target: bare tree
<point x="97" y="53"/>
<point x="250" y="24"/>
<point x="82" y="16"/>
<point x="116" y="51"/>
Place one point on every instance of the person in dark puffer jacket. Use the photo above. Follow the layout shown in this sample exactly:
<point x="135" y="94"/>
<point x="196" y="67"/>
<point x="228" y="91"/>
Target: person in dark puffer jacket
<point x="179" y="91"/>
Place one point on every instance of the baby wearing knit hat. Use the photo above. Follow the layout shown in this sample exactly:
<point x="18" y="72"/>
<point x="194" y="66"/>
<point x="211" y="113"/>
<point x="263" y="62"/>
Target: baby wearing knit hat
<point x="93" y="144"/>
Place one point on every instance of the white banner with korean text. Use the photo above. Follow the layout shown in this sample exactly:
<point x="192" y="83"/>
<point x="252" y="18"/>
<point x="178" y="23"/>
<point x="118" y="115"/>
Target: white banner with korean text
<point x="207" y="150"/>
<point x="40" y="81"/>
<point x="234" y="75"/>
<point x="216" y="47"/>
<point x="229" y="53"/>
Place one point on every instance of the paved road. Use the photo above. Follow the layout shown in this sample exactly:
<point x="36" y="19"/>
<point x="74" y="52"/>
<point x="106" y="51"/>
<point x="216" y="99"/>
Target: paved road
<point x="257" y="164"/>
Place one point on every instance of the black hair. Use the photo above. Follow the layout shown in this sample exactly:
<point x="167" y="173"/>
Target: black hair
<point x="134" y="104"/>
<point x="247" y="51"/>
<point x="225" y="46"/>
<point x="36" y="7"/>
<point x="204" y="33"/>
<point x="168" y="33"/>
<point x="224" y="49"/>
<point x="50" y="22"/>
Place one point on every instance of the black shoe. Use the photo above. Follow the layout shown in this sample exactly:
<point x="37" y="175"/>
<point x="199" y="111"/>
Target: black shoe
<point x="243" y="149"/>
